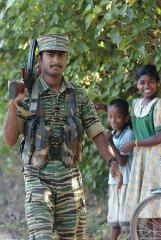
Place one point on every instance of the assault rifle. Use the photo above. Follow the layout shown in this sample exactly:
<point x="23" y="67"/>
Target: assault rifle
<point x="27" y="75"/>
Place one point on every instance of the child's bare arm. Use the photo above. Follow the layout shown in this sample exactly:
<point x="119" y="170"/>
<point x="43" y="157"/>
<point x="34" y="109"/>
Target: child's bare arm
<point x="150" y="141"/>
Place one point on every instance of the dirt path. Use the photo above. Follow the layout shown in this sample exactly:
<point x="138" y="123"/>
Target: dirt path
<point x="5" y="236"/>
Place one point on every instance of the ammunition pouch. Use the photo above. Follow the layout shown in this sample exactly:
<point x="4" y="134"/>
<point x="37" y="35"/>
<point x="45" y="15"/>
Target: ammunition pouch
<point x="28" y="144"/>
<point x="36" y="138"/>
<point x="71" y="148"/>
<point x="41" y="143"/>
<point x="72" y="137"/>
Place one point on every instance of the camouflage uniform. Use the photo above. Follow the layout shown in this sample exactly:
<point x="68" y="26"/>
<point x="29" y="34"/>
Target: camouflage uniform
<point x="54" y="194"/>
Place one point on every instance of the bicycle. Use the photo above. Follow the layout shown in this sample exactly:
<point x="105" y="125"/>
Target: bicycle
<point x="141" y="228"/>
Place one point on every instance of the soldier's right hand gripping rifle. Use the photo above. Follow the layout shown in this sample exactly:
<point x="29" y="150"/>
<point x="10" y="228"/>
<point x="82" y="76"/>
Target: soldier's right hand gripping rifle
<point x="16" y="87"/>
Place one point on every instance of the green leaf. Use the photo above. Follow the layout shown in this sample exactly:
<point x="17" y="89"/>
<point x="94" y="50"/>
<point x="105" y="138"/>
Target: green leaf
<point x="103" y="3"/>
<point x="141" y="50"/>
<point x="118" y="78"/>
<point x="97" y="10"/>
<point x="88" y="9"/>
<point x="108" y="16"/>
<point x="115" y="36"/>
<point x="130" y="14"/>
<point x="124" y="44"/>
<point x="131" y="2"/>
<point x="122" y="10"/>
<point x="88" y="20"/>
<point x="158" y="10"/>
<point x="9" y="3"/>
<point x="99" y="29"/>
<point x="55" y="19"/>
<point x="115" y="11"/>
<point x="2" y="13"/>
<point x="80" y="2"/>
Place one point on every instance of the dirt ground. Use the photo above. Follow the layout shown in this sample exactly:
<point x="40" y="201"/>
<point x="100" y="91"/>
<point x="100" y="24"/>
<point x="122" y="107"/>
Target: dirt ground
<point x="5" y="236"/>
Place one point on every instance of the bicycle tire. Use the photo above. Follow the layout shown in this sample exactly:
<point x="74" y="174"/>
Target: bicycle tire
<point x="135" y="218"/>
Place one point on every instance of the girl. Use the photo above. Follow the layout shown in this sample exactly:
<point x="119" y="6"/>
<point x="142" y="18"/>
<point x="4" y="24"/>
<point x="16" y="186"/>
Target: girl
<point x="146" y="167"/>
<point x="118" y="118"/>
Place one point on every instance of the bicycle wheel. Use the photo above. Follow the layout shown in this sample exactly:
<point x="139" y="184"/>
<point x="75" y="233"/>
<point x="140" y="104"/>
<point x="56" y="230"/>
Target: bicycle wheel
<point x="140" y="226"/>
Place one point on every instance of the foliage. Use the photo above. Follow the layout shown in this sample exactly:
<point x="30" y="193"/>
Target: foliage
<point x="108" y="38"/>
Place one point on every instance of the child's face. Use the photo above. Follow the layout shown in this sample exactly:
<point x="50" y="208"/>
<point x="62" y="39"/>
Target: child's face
<point x="147" y="86"/>
<point x="116" y="118"/>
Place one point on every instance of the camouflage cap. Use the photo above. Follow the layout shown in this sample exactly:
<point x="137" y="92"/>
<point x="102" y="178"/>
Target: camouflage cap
<point x="55" y="41"/>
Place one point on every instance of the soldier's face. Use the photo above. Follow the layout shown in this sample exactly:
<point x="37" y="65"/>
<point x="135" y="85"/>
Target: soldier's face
<point x="53" y="62"/>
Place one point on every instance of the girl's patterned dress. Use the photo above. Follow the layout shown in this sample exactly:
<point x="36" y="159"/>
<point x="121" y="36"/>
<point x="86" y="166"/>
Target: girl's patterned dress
<point x="146" y="166"/>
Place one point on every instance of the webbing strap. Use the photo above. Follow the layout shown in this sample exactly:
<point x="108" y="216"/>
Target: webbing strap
<point x="40" y="114"/>
<point x="34" y="97"/>
<point x="71" y="111"/>
<point x="71" y="102"/>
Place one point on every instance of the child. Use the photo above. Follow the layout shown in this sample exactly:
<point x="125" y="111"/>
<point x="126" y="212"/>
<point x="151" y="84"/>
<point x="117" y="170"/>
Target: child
<point x="118" y="118"/>
<point x="146" y="167"/>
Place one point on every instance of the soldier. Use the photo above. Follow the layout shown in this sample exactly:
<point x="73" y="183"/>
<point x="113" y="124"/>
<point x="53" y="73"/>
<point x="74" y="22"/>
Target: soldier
<point x="52" y="121"/>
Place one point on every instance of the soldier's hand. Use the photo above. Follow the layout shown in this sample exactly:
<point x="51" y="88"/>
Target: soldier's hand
<point x="115" y="171"/>
<point x="17" y="90"/>
<point x="21" y="96"/>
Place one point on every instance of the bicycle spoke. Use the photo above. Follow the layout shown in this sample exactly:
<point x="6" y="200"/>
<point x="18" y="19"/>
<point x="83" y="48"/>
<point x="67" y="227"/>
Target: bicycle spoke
<point x="143" y="228"/>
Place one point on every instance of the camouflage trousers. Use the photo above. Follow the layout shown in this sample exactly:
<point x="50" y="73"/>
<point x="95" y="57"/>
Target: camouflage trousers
<point x="54" y="202"/>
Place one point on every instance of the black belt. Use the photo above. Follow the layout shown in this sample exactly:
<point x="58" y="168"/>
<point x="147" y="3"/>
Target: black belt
<point x="54" y="152"/>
